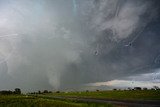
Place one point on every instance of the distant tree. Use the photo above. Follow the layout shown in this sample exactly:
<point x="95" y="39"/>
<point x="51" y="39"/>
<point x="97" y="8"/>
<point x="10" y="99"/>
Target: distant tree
<point x="137" y="88"/>
<point x="57" y="91"/>
<point x="152" y="89"/>
<point x="87" y="90"/>
<point x="5" y="92"/>
<point x="114" y="89"/>
<point x="17" y="91"/>
<point x="156" y="87"/>
<point x="97" y="90"/>
<point x="39" y="92"/>
<point x="145" y="88"/>
<point x="45" y="91"/>
<point x="129" y="88"/>
<point x="49" y="91"/>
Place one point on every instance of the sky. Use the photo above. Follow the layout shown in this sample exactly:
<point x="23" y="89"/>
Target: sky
<point x="74" y="44"/>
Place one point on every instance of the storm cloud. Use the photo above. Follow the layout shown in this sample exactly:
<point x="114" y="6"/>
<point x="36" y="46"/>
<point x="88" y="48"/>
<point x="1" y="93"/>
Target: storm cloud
<point x="62" y="44"/>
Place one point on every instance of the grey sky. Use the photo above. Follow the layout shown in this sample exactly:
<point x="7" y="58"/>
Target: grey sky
<point x="62" y="44"/>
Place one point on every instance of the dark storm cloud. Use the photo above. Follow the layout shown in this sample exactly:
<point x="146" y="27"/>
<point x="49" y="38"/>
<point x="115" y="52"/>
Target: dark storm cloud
<point x="124" y="42"/>
<point x="61" y="44"/>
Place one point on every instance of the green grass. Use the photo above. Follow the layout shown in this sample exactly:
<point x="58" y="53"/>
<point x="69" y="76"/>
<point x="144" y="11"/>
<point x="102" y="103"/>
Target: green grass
<point x="30" y="101"/>
<point x="46" y="100"/>
<point x="123" y="95"/>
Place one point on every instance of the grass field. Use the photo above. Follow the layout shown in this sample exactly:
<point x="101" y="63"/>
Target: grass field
<point x="30" y="101"/>
<point x="44" y="100"/>
<point x="123" y="95"/>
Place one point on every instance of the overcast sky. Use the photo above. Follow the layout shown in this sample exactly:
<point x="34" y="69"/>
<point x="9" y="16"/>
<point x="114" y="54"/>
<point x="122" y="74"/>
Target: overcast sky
<point x="66" y="44"/>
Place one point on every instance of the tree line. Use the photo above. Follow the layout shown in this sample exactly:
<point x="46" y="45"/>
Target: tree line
<point x="9" y="92"/>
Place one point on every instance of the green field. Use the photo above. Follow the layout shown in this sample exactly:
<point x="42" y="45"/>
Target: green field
<point x="31" y="101"/>
<point x="123" y="95"/>
<point x="48" y="100"/>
